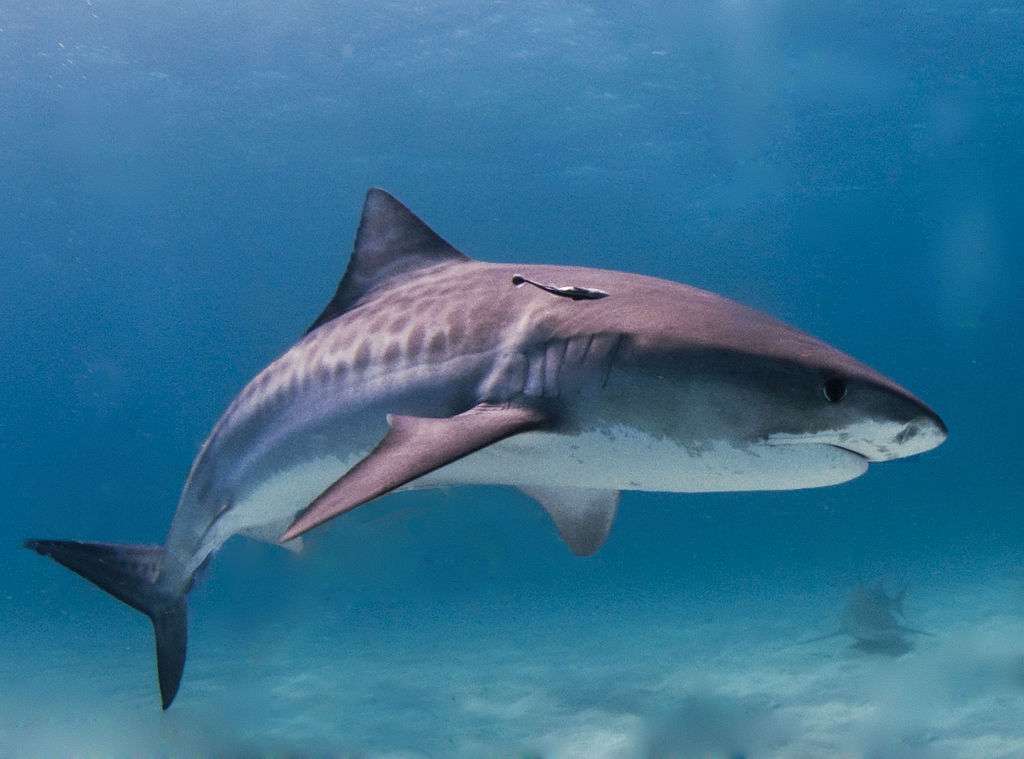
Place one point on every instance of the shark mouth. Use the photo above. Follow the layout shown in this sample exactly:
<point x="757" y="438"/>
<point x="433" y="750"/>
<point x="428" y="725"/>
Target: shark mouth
<point x="874" y="440"/>
<point x="844" y="448"/>
<point x="836" y="446"/>
<point x="815" y="463"/>
<point x="828" y="440"/>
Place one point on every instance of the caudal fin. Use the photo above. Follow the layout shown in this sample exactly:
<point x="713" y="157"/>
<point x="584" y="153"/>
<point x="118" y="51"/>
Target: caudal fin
<point x="129" y="573"/>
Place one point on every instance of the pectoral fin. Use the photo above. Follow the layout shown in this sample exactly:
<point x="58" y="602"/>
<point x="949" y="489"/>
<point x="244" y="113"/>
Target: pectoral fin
<point x="413" y="447"/>
<point x="583" y="516"/>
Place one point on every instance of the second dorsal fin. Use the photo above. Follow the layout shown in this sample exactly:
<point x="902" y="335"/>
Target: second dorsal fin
<point x="391" y="241"/>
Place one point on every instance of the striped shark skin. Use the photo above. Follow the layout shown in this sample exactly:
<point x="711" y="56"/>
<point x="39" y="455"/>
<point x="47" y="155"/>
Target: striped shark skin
<point x="429" y="369"/>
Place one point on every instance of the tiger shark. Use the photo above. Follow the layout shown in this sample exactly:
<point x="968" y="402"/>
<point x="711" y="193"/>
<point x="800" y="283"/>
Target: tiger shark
<point x="429" y="369"/>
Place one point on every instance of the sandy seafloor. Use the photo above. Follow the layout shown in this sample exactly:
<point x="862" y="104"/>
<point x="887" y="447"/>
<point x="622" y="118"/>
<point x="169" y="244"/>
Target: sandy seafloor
<point x="181" y="184"/>
<point x="636" y="669"/>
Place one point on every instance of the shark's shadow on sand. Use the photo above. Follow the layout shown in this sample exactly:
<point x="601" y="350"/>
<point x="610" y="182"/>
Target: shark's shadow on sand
<point x="874" y="620"/>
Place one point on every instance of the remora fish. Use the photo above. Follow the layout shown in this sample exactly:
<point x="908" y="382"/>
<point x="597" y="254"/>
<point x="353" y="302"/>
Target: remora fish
<point x="428" y="368"/>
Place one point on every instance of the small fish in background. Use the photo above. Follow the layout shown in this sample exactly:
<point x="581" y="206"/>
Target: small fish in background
<point x="873" y="619"/>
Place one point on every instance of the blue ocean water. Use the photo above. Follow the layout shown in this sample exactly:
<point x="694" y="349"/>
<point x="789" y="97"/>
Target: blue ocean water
<point x="180" y="186"/>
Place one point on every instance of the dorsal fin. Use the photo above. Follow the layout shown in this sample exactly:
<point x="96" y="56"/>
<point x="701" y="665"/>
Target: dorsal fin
<point x="391" y="241"/>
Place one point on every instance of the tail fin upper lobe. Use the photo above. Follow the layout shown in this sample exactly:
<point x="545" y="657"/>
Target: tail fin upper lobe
<point x="129" y="573"/>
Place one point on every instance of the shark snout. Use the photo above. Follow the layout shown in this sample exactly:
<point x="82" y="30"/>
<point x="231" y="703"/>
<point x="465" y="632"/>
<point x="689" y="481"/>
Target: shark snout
<point x="920" y="434"/>
<point x="876" y="440"/>
<point x="885" y="441"/>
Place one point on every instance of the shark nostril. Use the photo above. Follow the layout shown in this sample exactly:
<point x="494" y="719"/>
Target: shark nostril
<point x="907" y="433"/>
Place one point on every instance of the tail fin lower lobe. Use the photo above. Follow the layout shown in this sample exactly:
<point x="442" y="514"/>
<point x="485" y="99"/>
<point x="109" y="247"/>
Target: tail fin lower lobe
<point x="129" y="573"/>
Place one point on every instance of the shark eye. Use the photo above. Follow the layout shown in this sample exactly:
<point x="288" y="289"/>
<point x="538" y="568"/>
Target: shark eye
<point x="834" y="389"/>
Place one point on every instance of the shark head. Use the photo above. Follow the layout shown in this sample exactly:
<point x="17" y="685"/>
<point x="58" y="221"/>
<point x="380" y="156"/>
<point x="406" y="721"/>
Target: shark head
<point x="815" y="395"/>
<point x="848" y="406"/>
<point x="729" y="373"/>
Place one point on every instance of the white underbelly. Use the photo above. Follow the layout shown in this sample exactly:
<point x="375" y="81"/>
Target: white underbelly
<point x="619" y="459"/>
<point x="277" y="499"/>
<point x="627" y="459"/>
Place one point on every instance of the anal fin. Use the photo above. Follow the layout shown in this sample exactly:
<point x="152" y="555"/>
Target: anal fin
<point x="415" y="446"/>
<point x="583" y="516"/>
